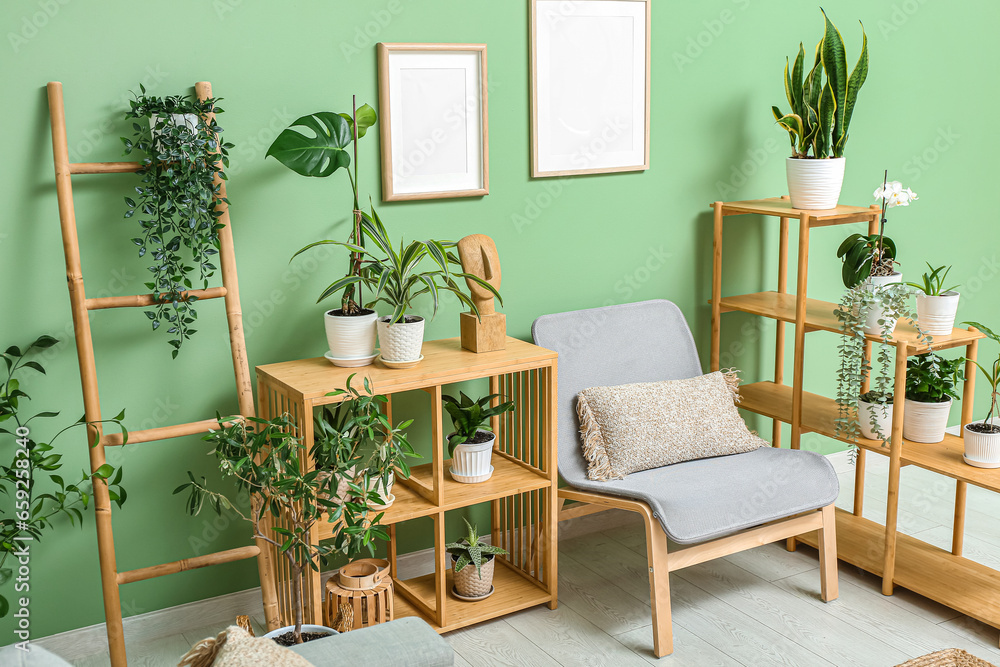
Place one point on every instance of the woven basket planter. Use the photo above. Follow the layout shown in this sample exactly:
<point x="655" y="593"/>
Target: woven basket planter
<point x="401" y="341"/>
<point x="951" y="657"/>
<point x="468" y="582"/>
<point x="352" y="610"/>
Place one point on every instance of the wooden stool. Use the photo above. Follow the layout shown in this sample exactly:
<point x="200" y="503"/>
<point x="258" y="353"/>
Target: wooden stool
<point x="369" y="607"/>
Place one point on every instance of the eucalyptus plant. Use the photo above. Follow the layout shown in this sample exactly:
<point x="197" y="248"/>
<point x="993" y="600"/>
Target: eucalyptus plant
<point x="821" y="111"/>
<point x="992" y="374"/>
<point x="177" y="202"/>
<point x="35" y="494"/>
<point x="471" y="550"/>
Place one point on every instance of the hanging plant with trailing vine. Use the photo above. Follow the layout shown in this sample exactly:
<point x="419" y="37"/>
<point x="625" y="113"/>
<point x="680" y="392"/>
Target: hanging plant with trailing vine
<point x="177" y="203"/>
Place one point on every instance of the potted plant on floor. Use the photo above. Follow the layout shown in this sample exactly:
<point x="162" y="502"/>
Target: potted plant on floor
<point x="982" y="439"/>
<point x="936" y="305"/>
<point x="470" y="446"/>
<point x="475" y="582"/>
<point x="177" y="203"/>
<point x="819" y="118"/>
<point x="319" y="151"/>
<point x="930" y="388"/>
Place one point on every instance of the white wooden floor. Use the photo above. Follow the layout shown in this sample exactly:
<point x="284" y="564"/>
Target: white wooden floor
<point x="756" y="608"/>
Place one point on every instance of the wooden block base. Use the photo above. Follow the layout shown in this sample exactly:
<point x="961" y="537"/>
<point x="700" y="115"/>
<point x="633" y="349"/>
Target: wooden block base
<point x="488" y="335"/>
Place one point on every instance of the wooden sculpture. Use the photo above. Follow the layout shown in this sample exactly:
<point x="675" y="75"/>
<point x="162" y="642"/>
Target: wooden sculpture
<point x="488" y="332"/>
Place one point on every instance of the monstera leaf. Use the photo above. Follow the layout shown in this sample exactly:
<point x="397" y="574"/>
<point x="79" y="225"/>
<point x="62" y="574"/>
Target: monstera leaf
<point x="318" y="155"/>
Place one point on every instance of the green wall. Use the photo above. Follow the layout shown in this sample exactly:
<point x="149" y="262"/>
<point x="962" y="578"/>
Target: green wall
<point x="564" y="244"/>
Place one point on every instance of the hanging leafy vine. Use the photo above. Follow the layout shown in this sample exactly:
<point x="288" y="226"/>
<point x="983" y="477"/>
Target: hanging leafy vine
<point x="178" y="202"/>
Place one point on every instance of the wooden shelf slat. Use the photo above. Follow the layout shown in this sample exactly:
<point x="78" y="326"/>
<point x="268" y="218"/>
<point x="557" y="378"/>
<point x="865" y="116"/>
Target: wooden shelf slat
<point x="779" y="207"/>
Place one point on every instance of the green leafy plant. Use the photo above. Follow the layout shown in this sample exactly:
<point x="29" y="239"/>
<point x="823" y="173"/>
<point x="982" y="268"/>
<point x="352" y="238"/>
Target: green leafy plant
<point x="931" y="378"/>
<point x="931" y="283"/>
<point x="320" y="155"/>
<point x="470" y="417"/>
<point x="821" y="112"/>
<point x="177" y="202"/>
<point x="35" y="493"/>
<point x="993" y="377"/>
<point x="471" y="549"/>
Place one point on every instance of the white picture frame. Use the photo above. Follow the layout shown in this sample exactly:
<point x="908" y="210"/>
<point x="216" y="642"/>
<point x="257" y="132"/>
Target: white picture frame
<point x="435" y="121"/>
<point x="589" y="86"/>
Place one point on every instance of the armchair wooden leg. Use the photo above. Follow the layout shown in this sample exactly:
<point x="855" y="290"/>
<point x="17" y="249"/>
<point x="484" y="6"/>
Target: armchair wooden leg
<point x="828" y="555"/>
<point x="659" y="587"/>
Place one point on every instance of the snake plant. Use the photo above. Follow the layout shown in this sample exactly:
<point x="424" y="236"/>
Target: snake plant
<point x="821" y="112"/>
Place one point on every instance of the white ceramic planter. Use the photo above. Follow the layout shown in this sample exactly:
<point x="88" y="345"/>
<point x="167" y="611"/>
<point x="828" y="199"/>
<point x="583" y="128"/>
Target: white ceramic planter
<point x="401" y="341"/>
<point x="925" y="422"/>
<point x="385" y="493"/>
<point x="936" y="314"/>
<point x="305" y="628"/>
<point x="815" y="184"/>
<point x="350" y="336"/>
<point x="471" y="462"/>
<point x="982" y="450"/>
<point x="883" y="416"/>
<point x="872" y="327"/>
<point x="189" y="120"/>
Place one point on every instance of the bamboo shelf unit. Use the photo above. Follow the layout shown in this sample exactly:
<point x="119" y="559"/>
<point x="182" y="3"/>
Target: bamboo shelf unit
<point x="941" y="575"/>
<point x="522" y="490"/>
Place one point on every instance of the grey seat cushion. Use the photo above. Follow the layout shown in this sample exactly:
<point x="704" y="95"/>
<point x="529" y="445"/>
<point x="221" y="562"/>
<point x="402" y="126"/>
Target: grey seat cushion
<point x="695" y="501"/>
<point x="405" y="642"/>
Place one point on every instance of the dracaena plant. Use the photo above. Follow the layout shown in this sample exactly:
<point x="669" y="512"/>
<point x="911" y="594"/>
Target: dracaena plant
<point x="821" y="110"/>
<point x="992" y="374"/>
<point x="177" y="202"/>
<point x="470" y="417"/>
<point x="471" y="550"/>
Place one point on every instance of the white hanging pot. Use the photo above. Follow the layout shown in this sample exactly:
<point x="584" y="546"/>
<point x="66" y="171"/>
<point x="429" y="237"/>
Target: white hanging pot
<point x="188" y="120"/>
<point x="471" y="462"/>
<point x="403" y="340"/>
<point x="925" y="422"/>
<point x="872" y="327"/>
<point x="814" y="185"/>
<point x="350" y="336"/>
<point x="305" y="628"/>
<point x="883" y="417"/>
<point x="982" y="450"/>
<point x="936" y="314"/>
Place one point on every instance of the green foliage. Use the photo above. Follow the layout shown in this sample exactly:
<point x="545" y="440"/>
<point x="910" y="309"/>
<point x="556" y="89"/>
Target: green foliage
<point x="177" y="203"/>
<point x="471" y="549"/>
<point x="932" y="282"/>
<point x="993" y="374"/>
<point x="862" y="253"/>
<point x="35" y="493"/>
<point x="931" y="378"/>
<point x="821" y="113"/>
<point x="470" y="417"/>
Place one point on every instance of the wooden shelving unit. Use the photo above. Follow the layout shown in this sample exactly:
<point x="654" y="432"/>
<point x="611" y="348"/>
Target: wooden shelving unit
<point x="938" y="574"/>
<point x="522" y="490"/>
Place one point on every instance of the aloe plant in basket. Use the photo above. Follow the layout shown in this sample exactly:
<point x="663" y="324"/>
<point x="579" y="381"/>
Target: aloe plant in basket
<point x="473" y="563"/>
<point x="982" y="439"/>
<point x="470" y="446"/>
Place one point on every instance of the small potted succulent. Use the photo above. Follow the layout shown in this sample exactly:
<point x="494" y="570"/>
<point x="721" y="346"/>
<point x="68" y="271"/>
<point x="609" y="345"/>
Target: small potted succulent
<point x="818" y="121"/>
<point x="875" y="415"/>
<point x="473" y="563"/>
<point x="936" y="305"/>
<point x="982" y="439"/>
<point x="471" y="444"/>
<point x="930" y="388"/>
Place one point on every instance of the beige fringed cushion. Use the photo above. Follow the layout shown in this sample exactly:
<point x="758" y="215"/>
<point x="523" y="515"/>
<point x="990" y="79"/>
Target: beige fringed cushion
<point x="236" y="648"/>
<point x="635" y="427"/>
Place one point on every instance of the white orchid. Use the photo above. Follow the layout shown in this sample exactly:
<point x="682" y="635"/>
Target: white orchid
<point x="894" y="194"/>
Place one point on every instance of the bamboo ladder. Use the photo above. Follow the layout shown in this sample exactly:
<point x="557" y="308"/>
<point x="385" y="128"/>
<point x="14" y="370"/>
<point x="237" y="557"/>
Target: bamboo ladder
<point x="111" y="578"/>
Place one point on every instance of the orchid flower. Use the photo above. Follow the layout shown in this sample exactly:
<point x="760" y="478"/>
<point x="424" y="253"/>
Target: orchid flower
<point x="894" y="194"/>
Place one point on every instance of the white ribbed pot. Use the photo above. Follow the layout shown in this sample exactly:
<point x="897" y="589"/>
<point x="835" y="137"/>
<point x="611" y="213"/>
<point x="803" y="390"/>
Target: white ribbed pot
<point x="814" y="184"/>
<point x="350" y="336"/>
<point x="936" y="314"/>
<point x="982" y="450"/>
<point x="925" y="422"/>
<point x="473" y="461"/>
<point x="305" y="628"/>
<point x="872" y="327"/>
<point x="403" y="340"/>
<point x="883" y="417"/>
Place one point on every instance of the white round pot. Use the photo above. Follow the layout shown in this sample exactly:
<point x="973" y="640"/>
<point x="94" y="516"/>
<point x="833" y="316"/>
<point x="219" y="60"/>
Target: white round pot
<point x="401" y="341"/>
<point x="982" y="450"/>
<point x="936" y="314"/>
<point x="384" y="492"/>
<point x="305" y="628"/>
<point x="350" y="336"/>
<point x="814" y="184"/>
<point x="470" y="463"/>
<point x="872" y="327"/>
<point x="883" y="416"/>
<point x="925" y="422"/>
<point x="188" y="120"/>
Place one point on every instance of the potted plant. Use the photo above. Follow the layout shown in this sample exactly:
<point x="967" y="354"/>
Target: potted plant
<point x="875" y="415"/>
<point x="470" y="446"/>
<point x="819" y="118"/>
<point x="177" y="202"/>
<point x="982" y="439"/>
<point x="319" y="151"/>
<point x="476" y="582"/>
<point x="936" y="305"/>
<point x="930" y="388"/>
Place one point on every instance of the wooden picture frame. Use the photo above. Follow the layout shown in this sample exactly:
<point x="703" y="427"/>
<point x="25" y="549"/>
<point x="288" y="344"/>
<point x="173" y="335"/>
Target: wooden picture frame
<point x="590" y="86"/>
<point x="435" y="121"/>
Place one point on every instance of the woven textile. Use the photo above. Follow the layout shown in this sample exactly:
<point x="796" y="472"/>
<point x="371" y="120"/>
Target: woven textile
<point x="952" y="657"/>
<point x="237" y="648"/>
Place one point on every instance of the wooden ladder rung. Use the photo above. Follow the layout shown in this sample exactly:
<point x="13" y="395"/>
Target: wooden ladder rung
<point x="162" y="432"/>
<point x="141" y="300"/>
<point x="103" y="167"/>
<point x="218" y="558"/>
